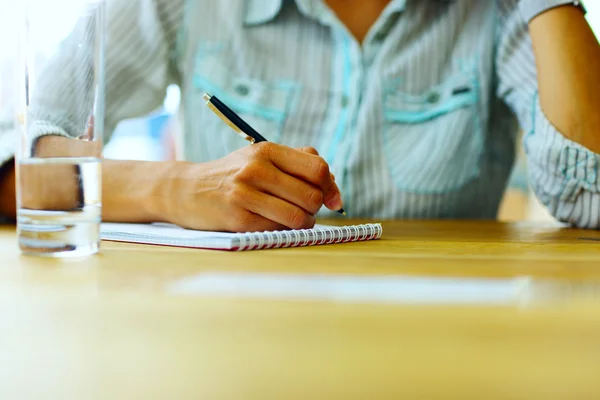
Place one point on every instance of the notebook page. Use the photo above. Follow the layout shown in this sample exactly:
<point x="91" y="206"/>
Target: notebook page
<point x="172" y="235"/>
<point x="162" y="230"/>
<point x="170" y="231"/>
<point x="166" y="235"/>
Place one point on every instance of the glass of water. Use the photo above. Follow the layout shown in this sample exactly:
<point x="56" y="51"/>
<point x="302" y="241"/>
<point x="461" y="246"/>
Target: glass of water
<point x="60" y="108"/>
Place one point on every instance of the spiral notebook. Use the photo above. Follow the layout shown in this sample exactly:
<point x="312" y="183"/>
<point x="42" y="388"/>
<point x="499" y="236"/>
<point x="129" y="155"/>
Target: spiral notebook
<point x="172" y="235"/>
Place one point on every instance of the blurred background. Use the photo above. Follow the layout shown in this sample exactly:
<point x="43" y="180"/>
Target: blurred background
<point x="153" y="137"/>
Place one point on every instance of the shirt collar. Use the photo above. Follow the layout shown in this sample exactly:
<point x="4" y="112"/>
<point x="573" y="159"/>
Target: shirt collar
<point x="262" y="11"/>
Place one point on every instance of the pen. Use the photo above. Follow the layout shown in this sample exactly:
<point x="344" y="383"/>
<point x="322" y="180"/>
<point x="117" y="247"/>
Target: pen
<point x="236" y="123"/>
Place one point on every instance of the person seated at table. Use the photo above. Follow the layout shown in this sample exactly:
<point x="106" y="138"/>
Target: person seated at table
<point x="413" y="107"/>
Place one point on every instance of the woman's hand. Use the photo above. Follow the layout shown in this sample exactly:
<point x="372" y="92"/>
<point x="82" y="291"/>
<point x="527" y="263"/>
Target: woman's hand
<point x="264" y="186"/>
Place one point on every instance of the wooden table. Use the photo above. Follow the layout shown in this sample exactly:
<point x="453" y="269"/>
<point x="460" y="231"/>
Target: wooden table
<point x="111" y="326"/>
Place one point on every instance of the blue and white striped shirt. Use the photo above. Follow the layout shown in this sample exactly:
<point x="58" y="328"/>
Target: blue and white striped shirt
<point x="418" y="121"/>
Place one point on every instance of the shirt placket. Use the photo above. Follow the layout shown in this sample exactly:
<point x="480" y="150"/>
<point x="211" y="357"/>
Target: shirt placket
<point x="350" y="67"/>
<point x="363" y="73"/>
<point x="352" y="79"/>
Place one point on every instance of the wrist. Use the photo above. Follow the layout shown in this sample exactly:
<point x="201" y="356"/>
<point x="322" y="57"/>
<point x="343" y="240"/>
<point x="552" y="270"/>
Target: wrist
<point x="176" y="183"/>
<point x="131" y="190"/>
<point x="163" y="189"/>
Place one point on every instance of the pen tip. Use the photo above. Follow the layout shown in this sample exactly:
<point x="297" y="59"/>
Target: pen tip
<point x="341" y="211"/>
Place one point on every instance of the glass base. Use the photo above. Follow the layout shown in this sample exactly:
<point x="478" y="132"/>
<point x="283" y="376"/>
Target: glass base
<point x="67" y="252"/>
<point x="58" y="237"/>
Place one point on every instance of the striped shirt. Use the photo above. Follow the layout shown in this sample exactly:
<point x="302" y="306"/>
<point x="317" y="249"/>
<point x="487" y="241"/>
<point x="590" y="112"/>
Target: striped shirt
<point x="418" y="121"/>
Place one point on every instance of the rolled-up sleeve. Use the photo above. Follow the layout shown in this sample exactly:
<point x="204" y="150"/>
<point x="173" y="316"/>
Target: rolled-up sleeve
<point x="140" y="42"/>
<point x="563" y="174"/>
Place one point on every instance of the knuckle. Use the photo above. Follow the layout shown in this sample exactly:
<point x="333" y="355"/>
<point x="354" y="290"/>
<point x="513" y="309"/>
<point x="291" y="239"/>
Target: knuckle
<point x="321" y="169"/>
<point x="296" y="218"/>
<point x="249" y="173"/>
<point x="264" y="150"/>
<point x="314" y="200"/>
<point x="239" y="195"/>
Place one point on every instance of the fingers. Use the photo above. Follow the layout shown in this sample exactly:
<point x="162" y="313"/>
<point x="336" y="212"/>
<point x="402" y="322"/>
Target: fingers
<point x="246" y="221"/>
<point x="274" y="209"/>
<point x="266" y="178"/>
<point x="313" y="151"/>
<point x="308" y="167"/>
<point x="293" y="190"/>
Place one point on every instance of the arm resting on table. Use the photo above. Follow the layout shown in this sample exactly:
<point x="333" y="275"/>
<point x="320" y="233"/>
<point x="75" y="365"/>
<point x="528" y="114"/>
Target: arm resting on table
<point x="548" y="75"/>
<point x="128" y="187"/>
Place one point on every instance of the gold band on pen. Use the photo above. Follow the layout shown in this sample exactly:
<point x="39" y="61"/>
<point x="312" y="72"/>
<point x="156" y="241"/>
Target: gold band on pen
<point x="236" y="129"/>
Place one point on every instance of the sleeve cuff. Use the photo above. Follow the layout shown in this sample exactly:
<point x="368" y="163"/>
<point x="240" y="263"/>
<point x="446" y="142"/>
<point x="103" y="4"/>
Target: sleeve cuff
<point x="531" y="8"/>
<point x="8" y="139"/>
<point x="563" y="173"/>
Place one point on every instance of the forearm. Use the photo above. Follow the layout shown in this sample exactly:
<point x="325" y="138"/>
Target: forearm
<point x="132" y="190"/>
<point x="568" y="62"/>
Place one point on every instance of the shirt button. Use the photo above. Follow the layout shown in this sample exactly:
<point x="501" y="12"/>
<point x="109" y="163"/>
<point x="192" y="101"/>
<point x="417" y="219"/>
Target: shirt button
<point x="345" y="101"/>
<point x="379" y="37"/>
<point x="242" y="89"/>
<point x="433" y="97"/>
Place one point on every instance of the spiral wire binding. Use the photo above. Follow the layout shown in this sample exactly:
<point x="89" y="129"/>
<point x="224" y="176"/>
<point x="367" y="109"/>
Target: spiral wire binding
<point x="307" y="237"/>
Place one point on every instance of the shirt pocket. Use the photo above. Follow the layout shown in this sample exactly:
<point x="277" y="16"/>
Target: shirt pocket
<point x="433" y="140"/>
<point x="264" y="105"/>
